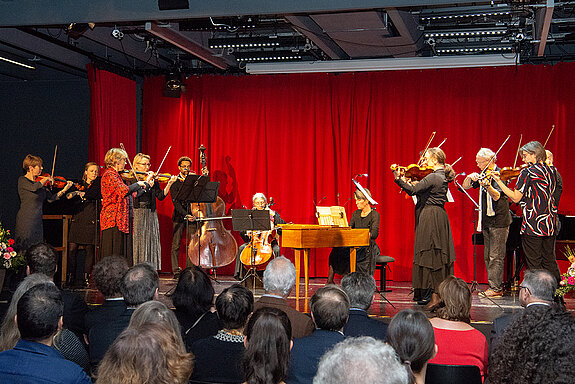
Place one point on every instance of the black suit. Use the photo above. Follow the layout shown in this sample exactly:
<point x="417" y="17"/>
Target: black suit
<point x="75" y="309"/>
<point x="503" y="321"/>
<point x="360" y="324"/>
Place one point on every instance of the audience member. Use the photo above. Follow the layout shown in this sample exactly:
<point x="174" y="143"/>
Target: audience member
<point x="42" y="258"/>
<point x="33" y="360"/>
<point x="329" y="311"/>
<point x="218" y="358"/>
<point x="279" y="279"/>
<point x="156" y="312"/>
<point x="411" y="335"/>
<point x="536" y="347"/>
<point x="193" y="299"/>
<point x="359" y="360"/>
<point x="268" y="344"/>
<point x="149" y="353"/>
<point x="139" y="284"/>
<point x="360" y="288"/>
<point x="457" y="341"/>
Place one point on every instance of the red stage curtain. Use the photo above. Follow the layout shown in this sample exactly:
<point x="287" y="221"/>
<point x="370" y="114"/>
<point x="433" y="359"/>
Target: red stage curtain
<point x="302" y="137"/>
<point x="112" y="113"/>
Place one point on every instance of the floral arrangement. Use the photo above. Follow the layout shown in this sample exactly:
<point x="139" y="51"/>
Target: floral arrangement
<point x="10" y="259"/>
<point x="568" y="279"/>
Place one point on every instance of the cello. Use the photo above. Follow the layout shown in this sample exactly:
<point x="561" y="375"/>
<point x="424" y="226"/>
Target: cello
<point x="212" y="245"/>
<point x="260" y="250"/>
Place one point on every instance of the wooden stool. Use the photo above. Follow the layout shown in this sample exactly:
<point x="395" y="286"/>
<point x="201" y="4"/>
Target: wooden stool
<point x="381" y="263"/>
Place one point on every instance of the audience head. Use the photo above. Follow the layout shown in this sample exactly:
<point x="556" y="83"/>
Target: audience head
<point x="140" y="284"/>
<point x="411" y="335"/>
<point x="194" y="293"/>
<point x="359" y="288"/>
<point x="39" y="312"/>
<point x="268" y="343"/>
<point x="455" y="300"/>
<point x="41" y="258"/>
<point x="156" y="312"/>
<point x="108" y="274"/>
<point x="9" y="334"/>
<point x="149" y="353"/>
<point x="534" y="148"/>
<point x="538" y="285"/>
<point x="329" y="308"/>
<point x="279" y="276"/>
<point x="361" y="360"/>
<point x="234" y="306"/>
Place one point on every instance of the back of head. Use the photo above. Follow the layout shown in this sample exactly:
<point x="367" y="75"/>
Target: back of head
<point x="108" y="274"/>
<point x="139" y="284"/>
<point x="361" y="360"/>
<point x="39" y="311"/>
<point x="541" y="284"/>
<point x="194" y="293"/>
<point x="267" y="355"/>
<point x="149" y="353"/>
<point x="279" y="276"/>
<point x="411" y="335"/>
<point x="155" y="312"/>
<point x="234" y="305"/>
<point x="455" y="300"/>
<point x="41" y="258"/>
<point x="330" y="308"/>
<point x="359" y="288"/>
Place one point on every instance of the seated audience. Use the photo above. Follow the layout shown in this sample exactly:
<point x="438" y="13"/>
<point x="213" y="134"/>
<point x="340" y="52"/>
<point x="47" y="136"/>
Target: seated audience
<point x="360" y="288"/>
<point x="411" y="335"/>
<point x="279" y="279"/>
<point x="193" y="299"/>
<point x="218" y="358"/>
<point x="268" y="343"/>
<point x="457" y="341"/>
<point x="359" y="360"/>
<point x="149" y="353"/>
<point x="138" y="285"/>
<point x="156" y="312"/>
<point x="33" y="360"/>
<point x="329" y="311"/>
<point x="42" y="258"/>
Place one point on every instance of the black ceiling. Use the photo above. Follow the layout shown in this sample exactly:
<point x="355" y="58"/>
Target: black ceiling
<point x="135" y="37"/>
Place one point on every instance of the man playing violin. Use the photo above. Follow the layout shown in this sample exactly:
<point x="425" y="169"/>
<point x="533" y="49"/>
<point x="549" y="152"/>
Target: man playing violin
<point x="494" y="219"/>
<point x="534" y="191"/>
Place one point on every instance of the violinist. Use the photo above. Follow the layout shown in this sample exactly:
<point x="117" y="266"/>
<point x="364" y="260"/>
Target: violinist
<point x="259" y="202"/>
<point x="559" y="186"/>
<point x="33" y="191"/>
<point x="434" y="252"/>
<point x="146" y="234"/>
<point x="494" y="219"/>
<point x="365" y="216"/>
<point x="534" y="190"/>
<point x="84" y="224"/>
<point x="115" y="215"/>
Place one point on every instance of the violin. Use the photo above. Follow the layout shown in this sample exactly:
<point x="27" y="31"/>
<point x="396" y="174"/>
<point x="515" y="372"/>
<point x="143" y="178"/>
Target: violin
<point x="510" y="173"/>
<point x="59" y="182"/>
<point x="141" y="176"/>
<point x="414" y="172"/>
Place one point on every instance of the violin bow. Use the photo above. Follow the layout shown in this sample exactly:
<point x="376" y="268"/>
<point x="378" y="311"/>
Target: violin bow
<point x="549" y="135"/>
<point x="456" y="161"/>
<point x="517" y="153"/>
<point x="54" y="162"/>
<point x="129" y="162"/>
<point x="367" y="196"/>
<point x="426" y="148"/>
<point x="440" y="144"/>
<point x="164" y="159"/>
<point x="494" y="156"/>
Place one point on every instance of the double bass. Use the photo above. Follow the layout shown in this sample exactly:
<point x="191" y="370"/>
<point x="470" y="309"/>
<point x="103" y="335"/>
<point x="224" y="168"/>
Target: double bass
<point x="212" y="245"/>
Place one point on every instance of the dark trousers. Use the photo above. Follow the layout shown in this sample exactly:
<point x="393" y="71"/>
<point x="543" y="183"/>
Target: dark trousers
<point x="117" y="243"/>
<point x="540" y="253"/>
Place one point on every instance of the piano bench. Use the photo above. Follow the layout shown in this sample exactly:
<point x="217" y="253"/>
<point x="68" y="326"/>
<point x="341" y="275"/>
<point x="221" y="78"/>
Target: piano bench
<point x="381" y="265"/>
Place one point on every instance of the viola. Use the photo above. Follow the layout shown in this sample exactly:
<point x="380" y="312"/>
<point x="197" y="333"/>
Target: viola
<point x="413" y="171"/>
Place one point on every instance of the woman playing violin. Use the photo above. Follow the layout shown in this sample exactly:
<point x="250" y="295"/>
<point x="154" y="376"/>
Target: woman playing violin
<point x="534" y="190"/>
<point x="146" y="235"/>
<point x="434" y="252"/>
<point x="115" y="215"/>
<point x="84" y="224"/>
<point x="33" y="192"/>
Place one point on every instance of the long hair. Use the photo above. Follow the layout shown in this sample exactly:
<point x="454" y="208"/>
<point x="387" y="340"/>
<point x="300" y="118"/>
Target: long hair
<point x="267" y="355"/>
<point x="150" y="354"/>
<point x="194" y="293"/>
<point x="455" y="300"/>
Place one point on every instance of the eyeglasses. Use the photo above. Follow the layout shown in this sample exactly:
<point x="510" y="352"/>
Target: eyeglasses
<point x="145" y="164"/>
<point x="524" y="287"/>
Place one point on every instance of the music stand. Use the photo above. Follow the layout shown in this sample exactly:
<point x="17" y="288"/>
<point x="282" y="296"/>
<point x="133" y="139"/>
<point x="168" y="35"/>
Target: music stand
<point x="251" y="220"/>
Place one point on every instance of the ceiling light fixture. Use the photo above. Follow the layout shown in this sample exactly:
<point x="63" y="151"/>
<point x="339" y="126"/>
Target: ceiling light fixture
<point x="16" y="62"/>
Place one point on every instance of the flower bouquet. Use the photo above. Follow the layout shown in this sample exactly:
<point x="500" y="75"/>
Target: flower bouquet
<point x="567" y="282"/>
<point x="10" y="259"/>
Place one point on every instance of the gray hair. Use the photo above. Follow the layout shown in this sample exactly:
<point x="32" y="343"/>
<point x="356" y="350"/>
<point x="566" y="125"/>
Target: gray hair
<point x="361" y="360"/>
<point x="359" y="287"/>
<point x="259" y="195"/>
<point x="156" y="312"/>
<point x="486" y="153"/>
<point x="139" y="284"/>
<point x="541" y="284"/>
<point x="279" y="276"/>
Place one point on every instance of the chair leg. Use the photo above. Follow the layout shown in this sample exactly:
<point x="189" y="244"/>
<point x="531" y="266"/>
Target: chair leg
<point x="383" y="280"/>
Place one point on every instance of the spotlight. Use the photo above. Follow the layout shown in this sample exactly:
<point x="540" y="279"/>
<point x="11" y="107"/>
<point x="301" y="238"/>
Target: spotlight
<point x="117" y="34"/>
<point x="520" y="36"/>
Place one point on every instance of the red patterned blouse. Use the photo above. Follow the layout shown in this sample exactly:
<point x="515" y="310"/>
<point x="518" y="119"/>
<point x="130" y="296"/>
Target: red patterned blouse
<point x="115" y="208"/>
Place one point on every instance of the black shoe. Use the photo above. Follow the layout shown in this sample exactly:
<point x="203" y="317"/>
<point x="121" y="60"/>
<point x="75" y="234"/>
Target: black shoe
<point x="416" y="294"/>
<point x="425" y="296"/>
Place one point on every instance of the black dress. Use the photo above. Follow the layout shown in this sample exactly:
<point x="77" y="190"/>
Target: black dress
<point x="365" y="256"/>
<point x="434" y="252"/>
<point x="84" y="224"/>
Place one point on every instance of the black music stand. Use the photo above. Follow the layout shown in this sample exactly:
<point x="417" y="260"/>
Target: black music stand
<point x="251" y="220"/>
